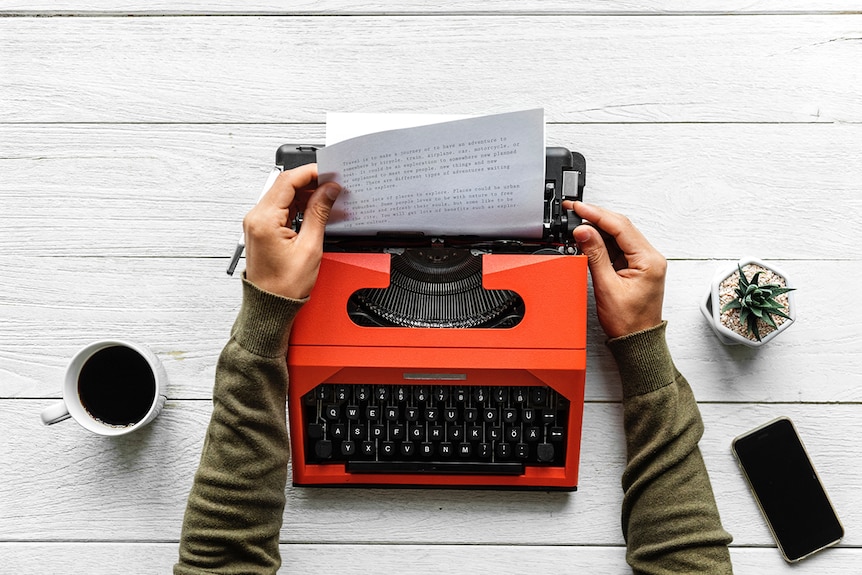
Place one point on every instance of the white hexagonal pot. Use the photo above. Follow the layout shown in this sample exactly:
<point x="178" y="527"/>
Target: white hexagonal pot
<point x="712" y="302"/>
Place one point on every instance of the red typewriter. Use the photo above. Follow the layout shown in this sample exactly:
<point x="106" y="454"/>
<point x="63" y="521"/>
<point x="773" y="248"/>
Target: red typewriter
<point x="444" y="362"/>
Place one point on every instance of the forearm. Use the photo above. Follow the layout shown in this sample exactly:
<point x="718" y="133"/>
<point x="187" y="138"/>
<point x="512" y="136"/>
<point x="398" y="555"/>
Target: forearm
<point x="235" y="508"/>
<point x="669" y="517"/>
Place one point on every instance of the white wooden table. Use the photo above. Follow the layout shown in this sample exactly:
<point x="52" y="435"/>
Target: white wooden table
<point x="135" y="135"/>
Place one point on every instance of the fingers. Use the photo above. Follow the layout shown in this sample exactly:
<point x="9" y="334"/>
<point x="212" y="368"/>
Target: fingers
<point x="629" y="239"/>
<point x="592" y="245"/>
<point x="283" y="191"/>
<point x="317" y="211"/>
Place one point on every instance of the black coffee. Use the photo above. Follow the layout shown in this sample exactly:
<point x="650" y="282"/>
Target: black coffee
<point x="117" y="386"/>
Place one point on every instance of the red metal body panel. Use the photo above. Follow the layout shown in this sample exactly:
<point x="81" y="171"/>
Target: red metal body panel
<point x="547" y="347"/>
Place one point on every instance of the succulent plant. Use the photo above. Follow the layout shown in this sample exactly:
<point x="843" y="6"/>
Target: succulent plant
<point x="757" y="302"/>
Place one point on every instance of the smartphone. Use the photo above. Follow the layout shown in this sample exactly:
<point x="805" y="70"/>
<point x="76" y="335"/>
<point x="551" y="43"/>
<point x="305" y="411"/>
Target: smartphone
<point x="787" y="489"/>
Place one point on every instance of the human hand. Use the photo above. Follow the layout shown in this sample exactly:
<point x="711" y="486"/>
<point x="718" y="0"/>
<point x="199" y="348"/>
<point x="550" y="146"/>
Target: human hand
<point x="628" y="273"/>
<point x="278" y="259"/>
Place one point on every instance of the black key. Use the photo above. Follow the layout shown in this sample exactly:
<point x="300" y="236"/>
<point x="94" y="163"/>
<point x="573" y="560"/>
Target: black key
<point x="381" y="392"/>
<point x="471" y="414"/>
<point x="378" y="431"/>
<point x="309" y="399"/>
<point x="445" y="467"/>
<point x="332" y="412"/>
<point x="368" y="449"/>
<point x="533" y="434"/>
<point x="426" y="449"/>
<point x="538" y="395"/>
<point x="372" y="412"/>
<point x="456" y="433"/>
<point x="315" y="431"/>
<point x="387" y="448"/>
<point x="358" y="431"/>
<point x="555" y="434"/>
<point x="495" y="433"/>
<point x="504" y="450"/>
<point x="392" y="413"/>
<point x="411" y="414"/>
<point x="480" y="394"/>
<point x="501" y="394"/>
<point x="519" y="395"/>
<point x="513" y="434"/>
<point x="338" y="431"/>
<point x="342" y="393"/>
<point x="322" y="392"/>
<point x="549" y="417"/>
<point x="441" y="393"/>
<point x="323" y="449"/>
<point x="446" y="449"/>
<point x="401" y="395"/>
<point x="408" y="448"/>
<point x="528" y="415"/>
<point x="545" y="452"/>
<point x="460" y="395"/>
<point x="465" y="449"/>
<point x="416" y="433"/>
<point x="435" y="433"/>
<point x="397" y="432"/>
<point x="450" y="414"/>
<point x="483" y="451"/>
<point x="489" y="414"/>
<point x="422" y="394"/>
<point x="474" y="433"/>
<point x="522" y="451"/>
<point x="348" y="448"/>
<point x="363" y="393"/>
<point x="432" y="414"/>
<point x="510" y="415"/>
<point x="352" y="412"/>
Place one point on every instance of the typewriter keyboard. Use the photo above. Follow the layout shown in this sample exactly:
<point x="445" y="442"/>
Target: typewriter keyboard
<point x="435" y="428"/>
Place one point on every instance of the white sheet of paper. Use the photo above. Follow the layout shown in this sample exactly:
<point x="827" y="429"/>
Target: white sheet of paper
<point x="342" y="126"/>
<point x="479" y="176"/>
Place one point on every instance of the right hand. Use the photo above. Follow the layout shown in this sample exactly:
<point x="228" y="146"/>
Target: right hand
<point x="628" y="273"/>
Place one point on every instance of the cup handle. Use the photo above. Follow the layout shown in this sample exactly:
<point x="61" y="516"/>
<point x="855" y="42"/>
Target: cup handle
<point x="55" y="413"/>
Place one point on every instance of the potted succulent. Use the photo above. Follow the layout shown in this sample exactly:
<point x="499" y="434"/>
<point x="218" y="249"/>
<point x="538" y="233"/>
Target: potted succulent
<point x="749" y="304"/>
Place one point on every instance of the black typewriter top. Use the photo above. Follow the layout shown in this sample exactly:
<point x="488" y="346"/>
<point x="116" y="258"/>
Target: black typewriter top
<point x="565" y="177"/>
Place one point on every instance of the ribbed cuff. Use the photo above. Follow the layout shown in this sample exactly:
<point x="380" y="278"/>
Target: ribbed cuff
<point x="644" y="360"/>
<point x="263" y="324"/>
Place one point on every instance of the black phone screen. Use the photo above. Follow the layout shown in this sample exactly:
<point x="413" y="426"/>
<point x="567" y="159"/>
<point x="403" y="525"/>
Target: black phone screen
<point x="787" y="489"/>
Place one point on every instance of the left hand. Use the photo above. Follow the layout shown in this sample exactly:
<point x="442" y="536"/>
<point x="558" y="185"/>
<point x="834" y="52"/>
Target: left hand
<point x="279" y="260"/>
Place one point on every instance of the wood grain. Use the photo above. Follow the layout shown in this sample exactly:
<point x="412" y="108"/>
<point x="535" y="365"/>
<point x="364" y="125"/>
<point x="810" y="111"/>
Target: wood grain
<point x="697" y="191"/>
<point x="86" y="488"/>
<point x="612" y="69"/>
<point x="347" y="7"/>
<point x="310" y="559"/>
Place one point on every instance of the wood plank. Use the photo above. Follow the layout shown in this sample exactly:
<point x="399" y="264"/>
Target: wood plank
<point x="309" y="559"/>
<point x="133" y="488"/>
<point x="180" y="191"/>
<point x="335" y="7"/>
<point x="183" y="309"/>
<point x="626" y="69"/>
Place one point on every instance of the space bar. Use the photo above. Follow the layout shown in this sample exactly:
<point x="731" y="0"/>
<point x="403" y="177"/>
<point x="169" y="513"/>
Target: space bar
<point x="441" y="467"/>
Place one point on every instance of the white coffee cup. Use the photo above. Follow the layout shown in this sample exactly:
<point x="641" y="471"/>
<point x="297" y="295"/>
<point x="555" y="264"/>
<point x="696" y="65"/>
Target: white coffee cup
<point x="111" y="387"/>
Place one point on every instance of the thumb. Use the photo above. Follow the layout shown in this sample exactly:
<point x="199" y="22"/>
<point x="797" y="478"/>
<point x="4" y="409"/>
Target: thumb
<point x="592" y="245"/>
<point x="317" y="210"/>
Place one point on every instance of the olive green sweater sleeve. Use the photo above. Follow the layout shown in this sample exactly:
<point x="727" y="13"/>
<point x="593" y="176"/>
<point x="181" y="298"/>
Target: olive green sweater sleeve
<point x="669" y="517"/>
<point x="236" y="504"/>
